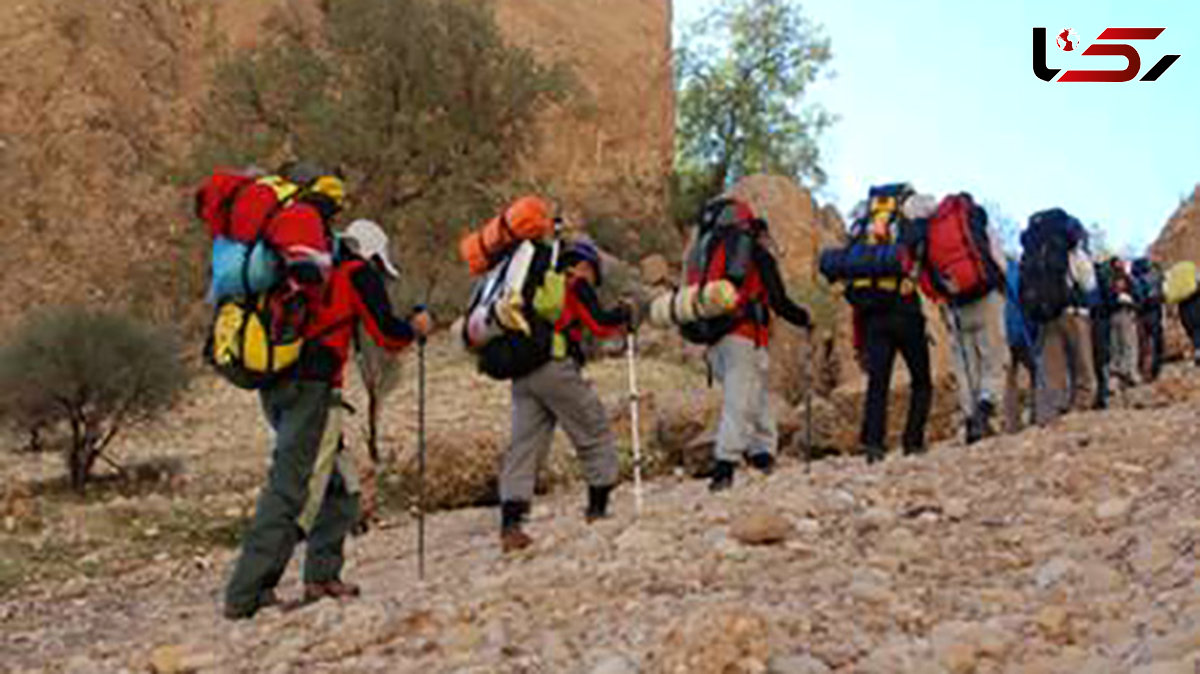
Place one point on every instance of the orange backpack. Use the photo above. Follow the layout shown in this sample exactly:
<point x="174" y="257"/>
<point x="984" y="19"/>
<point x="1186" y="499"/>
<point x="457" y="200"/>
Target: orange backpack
<point x="527" y="218"/>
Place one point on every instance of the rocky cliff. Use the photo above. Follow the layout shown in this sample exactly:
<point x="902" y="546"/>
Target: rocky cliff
<point x="99" y="104"/>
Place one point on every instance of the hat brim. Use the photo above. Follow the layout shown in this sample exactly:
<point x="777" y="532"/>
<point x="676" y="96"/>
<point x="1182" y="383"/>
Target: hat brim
<point x="388" y="268"/>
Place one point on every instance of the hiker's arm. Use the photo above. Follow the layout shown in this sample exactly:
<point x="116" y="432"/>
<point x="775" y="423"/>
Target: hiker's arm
<point x="375" y="310"/>
<point x="776" y="292"/>
<point x="600" y="321"/>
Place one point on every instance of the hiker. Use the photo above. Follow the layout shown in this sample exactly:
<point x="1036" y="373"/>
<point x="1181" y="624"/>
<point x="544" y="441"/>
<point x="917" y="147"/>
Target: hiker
<point x="1180" y="287"/>
<point x="963" y="270"/>
<point x="1189" y="315"/>
<point x="1058" y="283"/>
<point x="1148" y="293"/>
<point x="557" y="393"/>
<point x="734" y="246"/>
<point x="1124" y="325"/>
<point x="888" y="318"/>
<point x="310" y="492"/>
<point x="1022" y="339"/>
<point x="1102" y="334"/>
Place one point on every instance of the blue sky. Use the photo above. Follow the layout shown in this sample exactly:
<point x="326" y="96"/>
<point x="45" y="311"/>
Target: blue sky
<point x="942" y="93"/>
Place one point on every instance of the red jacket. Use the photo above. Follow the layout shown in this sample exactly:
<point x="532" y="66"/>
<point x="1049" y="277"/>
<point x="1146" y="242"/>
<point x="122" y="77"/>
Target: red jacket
<point x="353" y="294"/>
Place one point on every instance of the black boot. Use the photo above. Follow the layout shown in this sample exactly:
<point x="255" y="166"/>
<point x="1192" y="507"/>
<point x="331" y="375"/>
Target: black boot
<point x="763" y="461"/>
<point x="974" y="430"/>
<point x="722" y="476"/>
<point x="597" y="507"/>
<point x="512" y="516"/>
<point x="987" y="410"/>
<point x="874" y="454"/>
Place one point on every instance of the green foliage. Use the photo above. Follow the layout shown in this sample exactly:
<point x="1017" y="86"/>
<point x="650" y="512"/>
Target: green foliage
<point x="88" y="371"/>
<point x="421" y="102"/>
<point x="741" y="76"/>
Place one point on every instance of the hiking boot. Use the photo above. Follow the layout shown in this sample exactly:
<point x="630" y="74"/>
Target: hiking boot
<point x="974" y="430"/>
<point x="514" y="540"/>
<point x="266" y="599"/>
<point x="597" y="507"/>
<point x="987" y="410"/>
<point x="915" y="450"/>
<point x="722" y="476"/>
<point x="874" y="454"/>
<point x="512" y="516"/>
<point x="763" y="461"/>
<point x="334" y="589"/>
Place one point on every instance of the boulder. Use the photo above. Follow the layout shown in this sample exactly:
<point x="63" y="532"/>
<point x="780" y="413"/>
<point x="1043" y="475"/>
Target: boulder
<point x="762" y="527"/>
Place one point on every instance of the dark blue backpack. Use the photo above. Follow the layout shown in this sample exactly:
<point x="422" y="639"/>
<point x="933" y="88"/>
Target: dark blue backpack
<point x="1022" y="334"/>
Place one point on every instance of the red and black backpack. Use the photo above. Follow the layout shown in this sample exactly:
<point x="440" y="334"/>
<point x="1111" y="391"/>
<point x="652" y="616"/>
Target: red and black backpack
<point x="724" y="250"/>
<point x="958" y="252"/>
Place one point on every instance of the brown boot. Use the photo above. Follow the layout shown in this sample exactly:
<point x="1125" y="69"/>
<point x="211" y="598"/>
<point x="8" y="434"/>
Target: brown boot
<point x="512" y="516"/>
<point x="335" y="589"/>
<point x="514" y="540"/>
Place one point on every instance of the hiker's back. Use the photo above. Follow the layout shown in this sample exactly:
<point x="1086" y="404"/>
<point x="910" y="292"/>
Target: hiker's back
<point x="1045" y="265"/>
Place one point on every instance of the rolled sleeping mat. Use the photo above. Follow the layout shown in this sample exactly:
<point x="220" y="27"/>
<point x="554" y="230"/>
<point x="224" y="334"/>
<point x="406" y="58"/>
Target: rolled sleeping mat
<point x="860" y="261"/>
<point x="692" y="303"/>
<point x="526" y="219"/>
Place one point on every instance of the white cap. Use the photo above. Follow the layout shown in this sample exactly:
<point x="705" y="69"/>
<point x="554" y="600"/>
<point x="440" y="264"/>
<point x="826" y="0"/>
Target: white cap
<point x="369" y="240"/>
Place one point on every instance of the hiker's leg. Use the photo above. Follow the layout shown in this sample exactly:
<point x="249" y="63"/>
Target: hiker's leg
<point x="914" y="347"/>
<point x="991" y="345"/>
<point x="1083" y="373"/>
<point x="1012" y="391"/>
<point x="733" y="362"/>
<point x="339" y="511"/>
<point x="532" y="432"/>
<point x="300" y="410"/>
<point x="1101" y="355"/>
<point x="1130" y="345"/>
<point x="573" y="401"/>
<point x="881" y="357"/>
<point x="1157" y="342"/>
<point x="764" y="437"/>
<point x="1052" y="392"/>
<point x="961" y="348"/>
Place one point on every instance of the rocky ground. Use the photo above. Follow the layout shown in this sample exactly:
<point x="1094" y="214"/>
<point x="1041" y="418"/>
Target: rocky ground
<point x="1066" y="549"/>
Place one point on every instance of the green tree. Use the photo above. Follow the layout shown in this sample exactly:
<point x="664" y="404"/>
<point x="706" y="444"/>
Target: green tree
<point x="425" y="106"/>
<point x="90" y="372"/>
<point x="742" y="73"/>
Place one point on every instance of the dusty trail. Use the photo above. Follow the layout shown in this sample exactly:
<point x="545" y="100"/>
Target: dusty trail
<point x="1062" y="549"/>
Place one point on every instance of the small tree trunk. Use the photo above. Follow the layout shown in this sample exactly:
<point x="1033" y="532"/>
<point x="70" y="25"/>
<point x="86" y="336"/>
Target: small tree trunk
<point x="76" y="473"/>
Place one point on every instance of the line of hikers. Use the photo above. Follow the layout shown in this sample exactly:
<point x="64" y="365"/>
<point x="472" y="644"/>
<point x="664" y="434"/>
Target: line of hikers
<point x="289" y="293"/>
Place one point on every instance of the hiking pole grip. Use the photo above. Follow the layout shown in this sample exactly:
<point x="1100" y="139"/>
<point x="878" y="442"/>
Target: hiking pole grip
<point x="634" y="423"/>
<point x="421" y="458"/>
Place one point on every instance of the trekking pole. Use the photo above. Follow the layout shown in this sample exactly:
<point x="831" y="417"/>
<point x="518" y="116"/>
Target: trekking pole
<point x="631" y="356"/>
<point x="421" y="458"/>
<point x="808" y="401"/>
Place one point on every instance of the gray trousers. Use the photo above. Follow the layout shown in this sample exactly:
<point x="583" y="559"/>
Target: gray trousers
<point x="980" y="350"/>
<point x="555" y="394"/>
<point x="1125" y="345"/>
<point x="298" y="411"/>
<point x="747" y="424"/>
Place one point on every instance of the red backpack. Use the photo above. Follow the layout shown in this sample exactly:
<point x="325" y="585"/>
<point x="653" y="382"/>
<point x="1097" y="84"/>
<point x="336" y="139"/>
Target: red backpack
<point x="237" y="205"/>
<point x="724" y="251"/>
<point x="958" y="251"/>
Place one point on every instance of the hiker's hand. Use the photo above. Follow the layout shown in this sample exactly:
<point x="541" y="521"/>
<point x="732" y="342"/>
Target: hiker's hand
<point x="422" y="323"/>
<point x="633" y="313"/>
